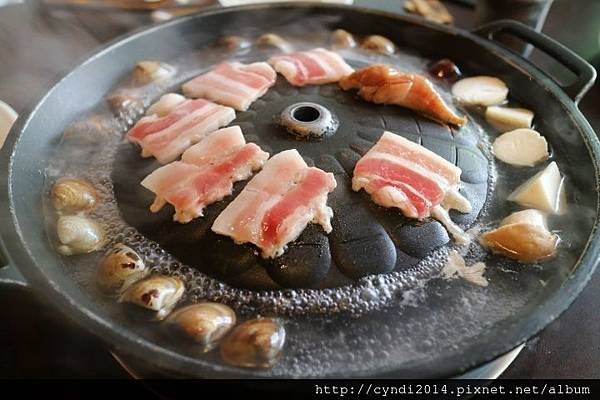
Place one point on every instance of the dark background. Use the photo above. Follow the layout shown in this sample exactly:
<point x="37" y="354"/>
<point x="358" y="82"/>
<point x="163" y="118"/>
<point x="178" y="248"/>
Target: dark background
<point x="39" y="44"/>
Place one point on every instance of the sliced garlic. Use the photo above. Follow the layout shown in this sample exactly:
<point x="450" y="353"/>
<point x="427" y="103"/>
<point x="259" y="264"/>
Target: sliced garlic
<point x="543" y="191"/>
<point x="521" y="147"/>
<point x="506" y="119"/>
<point x="165" y="104"/>
<point x="480" y="91"/>
<point x="522" y="236"/>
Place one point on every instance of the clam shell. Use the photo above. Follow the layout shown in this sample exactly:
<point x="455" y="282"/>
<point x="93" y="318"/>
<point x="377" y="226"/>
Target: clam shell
<point x="120" y="268"/>
<point x="148" y="71"/>
<point x="157" y="293"/>
<point x="379" y="44"/>
<point x="205" y="323"/>
<point x="78" y="235"/>
<point x="341" y="39"/>
<point x="273" y="40"/>
<point x="254" y="344"/>
<point x="73" y="195"/>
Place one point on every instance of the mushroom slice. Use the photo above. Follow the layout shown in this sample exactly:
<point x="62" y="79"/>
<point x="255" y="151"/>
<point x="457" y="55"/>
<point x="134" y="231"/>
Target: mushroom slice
<point x="522" y="236"/>
<point x="480" y="91"/>
<point x="521" y="147"/>
<point x="506" y="119"/>
<point x="157" y="293"/>
<point x="544" y="191"/>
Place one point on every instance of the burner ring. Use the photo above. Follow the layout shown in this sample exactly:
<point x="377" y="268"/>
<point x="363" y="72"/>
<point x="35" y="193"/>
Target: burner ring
<point x="307" y="120"/>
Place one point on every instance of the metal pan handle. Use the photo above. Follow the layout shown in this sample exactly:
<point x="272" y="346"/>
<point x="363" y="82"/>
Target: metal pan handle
<point x="585" y="74"/>
<point x="8" y="274"/>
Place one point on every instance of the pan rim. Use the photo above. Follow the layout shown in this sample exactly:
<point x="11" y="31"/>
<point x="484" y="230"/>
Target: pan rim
<point x="125" y="341"/>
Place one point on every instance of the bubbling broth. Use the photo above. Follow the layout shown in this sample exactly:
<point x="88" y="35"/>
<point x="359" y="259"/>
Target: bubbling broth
<point x="93" y="149"/>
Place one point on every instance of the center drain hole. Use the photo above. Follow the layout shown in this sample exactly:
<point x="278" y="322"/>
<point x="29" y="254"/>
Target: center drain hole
<point x="306" y="114"/>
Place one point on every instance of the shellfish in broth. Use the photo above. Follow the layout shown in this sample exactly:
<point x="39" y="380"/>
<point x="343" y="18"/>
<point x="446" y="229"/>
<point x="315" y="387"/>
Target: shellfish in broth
<point x="120" y="268"/>
<point x="205" y="323"/>
<point x="254" y="344"/>
<point x="157" y="293"/>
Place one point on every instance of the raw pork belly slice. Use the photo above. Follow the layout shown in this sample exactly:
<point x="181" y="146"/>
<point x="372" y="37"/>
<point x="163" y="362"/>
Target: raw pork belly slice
<point x="206" y="173"/>
<point x="383" y="84"/>
<point x="233" y="84"/>
<point x="189" y="122"/>
<point x="399" y="173"/>
<point x="277" y="204"/>
<point x="313" y="67"/>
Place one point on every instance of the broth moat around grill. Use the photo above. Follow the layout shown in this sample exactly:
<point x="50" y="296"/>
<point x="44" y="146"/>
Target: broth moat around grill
<point x="366" y="238"/>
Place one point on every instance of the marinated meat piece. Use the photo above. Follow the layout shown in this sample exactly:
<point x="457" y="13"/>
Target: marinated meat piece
<point x="383" y="84"/>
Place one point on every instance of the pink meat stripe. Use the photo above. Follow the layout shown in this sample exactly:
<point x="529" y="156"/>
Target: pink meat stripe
<point x="277" y="204"/>
<point x="233" y="84"/>
<point x="314" y="67"/>
<point x="152" y="124"/>
<point x="166" y="138"/>
<point x="206" y="173"/>
<point x="399" y="173"/>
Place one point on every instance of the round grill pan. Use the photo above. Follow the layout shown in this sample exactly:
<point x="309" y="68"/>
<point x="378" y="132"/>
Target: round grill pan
<point x="439" y="331"/>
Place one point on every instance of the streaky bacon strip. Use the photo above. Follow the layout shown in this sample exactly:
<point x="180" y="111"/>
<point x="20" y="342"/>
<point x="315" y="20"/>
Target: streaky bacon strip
<point x="152" y="124"/>
<point x="399" y="173"/>
<point x="277" y="204"/>
<point x="205" y="175"/>
<point x="313" y="67"/>
<point x="301" y="195"/>
<point x="233" y="84"/>
<point x="167" y="137"/>
<point x="392" y="172"/>
<point x="400" y="147"/>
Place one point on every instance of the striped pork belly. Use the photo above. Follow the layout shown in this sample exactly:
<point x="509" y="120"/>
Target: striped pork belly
<point x="399" y="173"/>
<point x="313" y="67"/>
<point x="277" y="204"/>
<point x="205" y="174"/>
<point x="187" y="123"/>
<point x="233" y="84"/>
